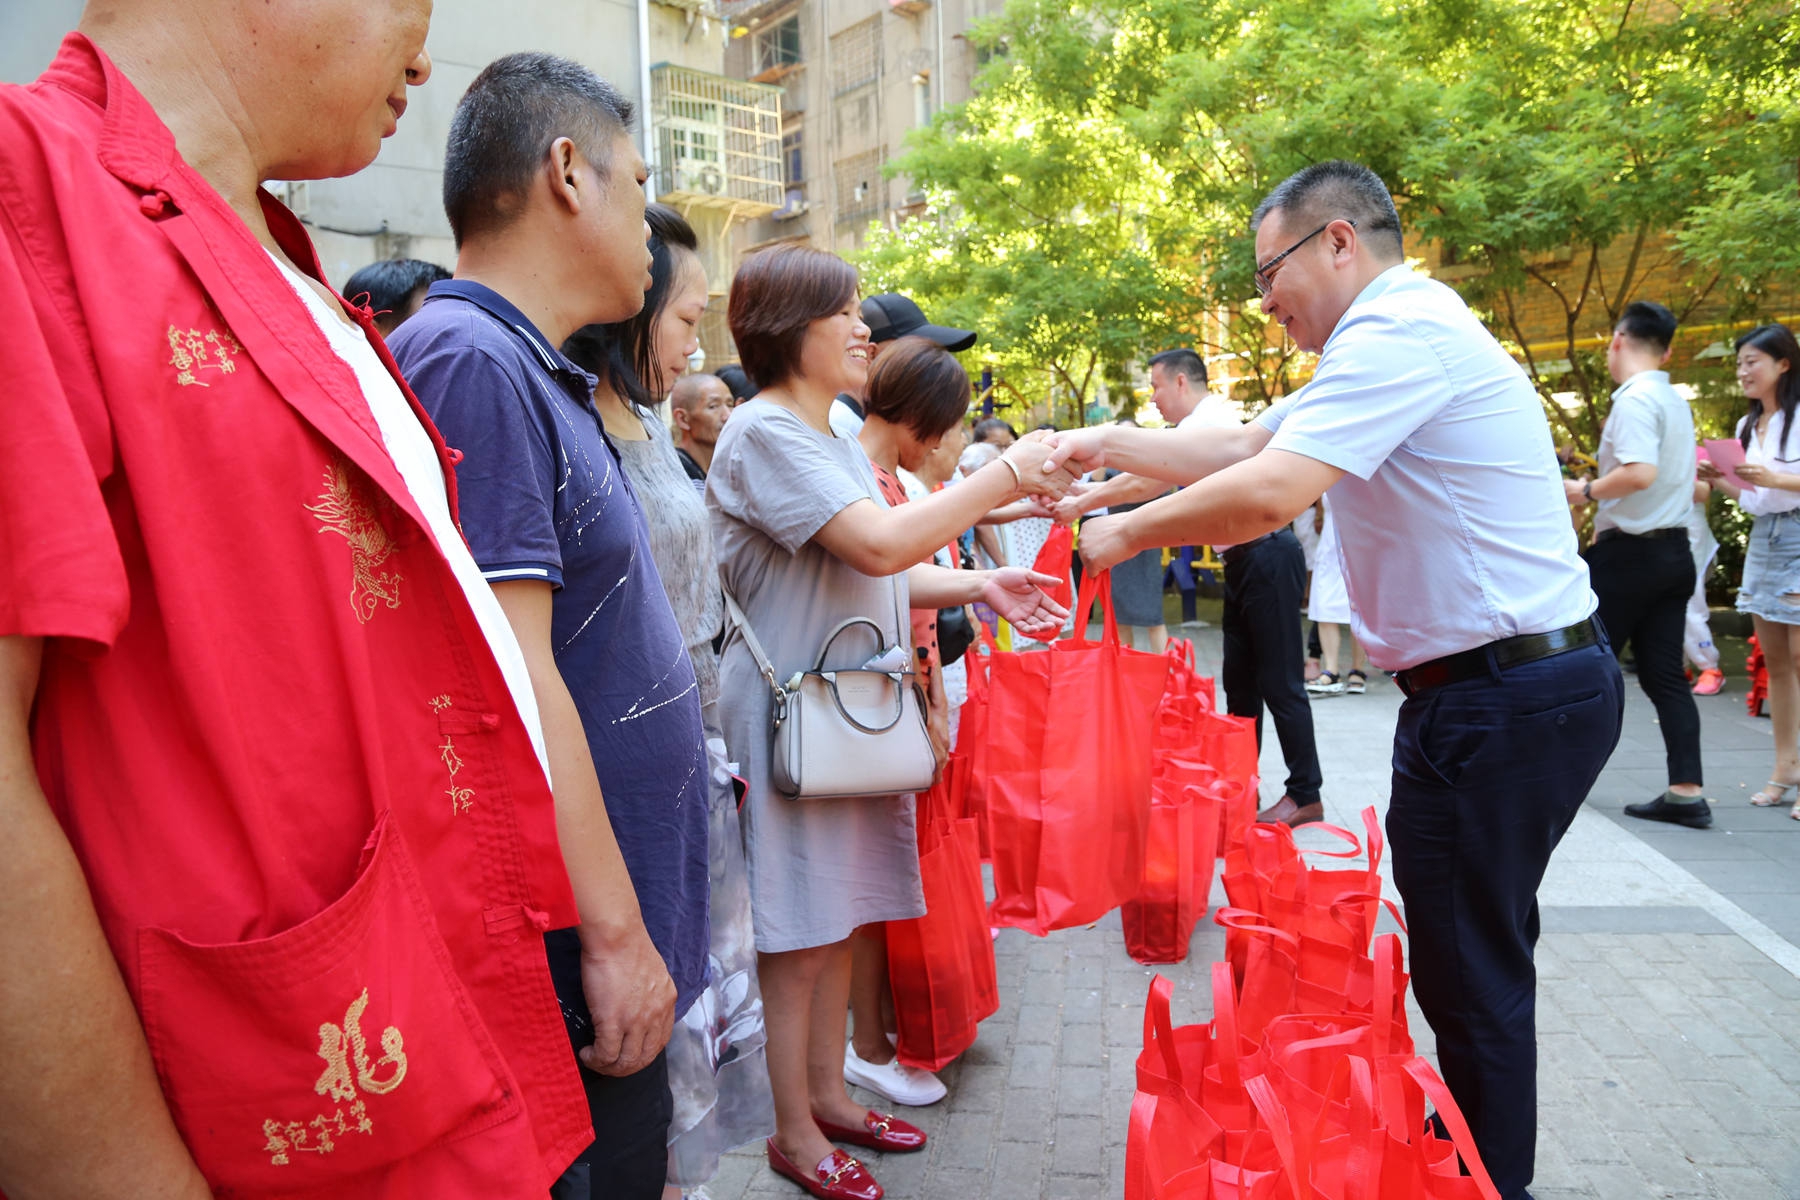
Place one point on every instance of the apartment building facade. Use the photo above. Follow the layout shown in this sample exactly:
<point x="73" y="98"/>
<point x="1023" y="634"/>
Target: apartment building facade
<point x="855" y="76"/>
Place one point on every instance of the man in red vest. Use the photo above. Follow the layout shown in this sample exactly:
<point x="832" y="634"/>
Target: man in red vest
<point x="280" y="846"/>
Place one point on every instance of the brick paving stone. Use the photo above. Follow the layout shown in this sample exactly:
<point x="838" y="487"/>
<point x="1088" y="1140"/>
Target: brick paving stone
<point x="1698" y="1033"/>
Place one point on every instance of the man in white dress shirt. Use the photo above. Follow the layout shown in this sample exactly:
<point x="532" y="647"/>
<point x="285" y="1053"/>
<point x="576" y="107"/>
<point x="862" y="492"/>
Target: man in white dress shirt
<point x="1464" y="580"/>
<point x="1642" y="559"/>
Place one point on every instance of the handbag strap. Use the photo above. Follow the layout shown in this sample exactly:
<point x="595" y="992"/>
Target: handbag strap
<point x="761" y="658"/>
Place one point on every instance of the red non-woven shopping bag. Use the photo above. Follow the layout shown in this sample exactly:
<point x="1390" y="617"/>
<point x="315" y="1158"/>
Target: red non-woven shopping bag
<point x="1067" y="774"/>
<point x="1178" y="867"/>
<point x="1056" y="558"/>
<point x="1359" y="1150"/>
<point x="1266" y="874"/>
<point x="941" y="965"/>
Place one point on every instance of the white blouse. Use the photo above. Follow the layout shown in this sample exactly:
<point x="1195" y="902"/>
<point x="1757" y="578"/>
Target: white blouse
<point x="1767" y="449"/>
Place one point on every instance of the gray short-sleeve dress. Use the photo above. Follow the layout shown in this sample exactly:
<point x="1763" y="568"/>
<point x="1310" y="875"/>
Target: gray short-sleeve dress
<point x="821" y="867"/>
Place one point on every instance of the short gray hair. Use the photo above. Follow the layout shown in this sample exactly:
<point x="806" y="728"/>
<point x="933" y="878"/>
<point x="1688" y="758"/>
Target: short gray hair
<point x="504" y="125"/>
<point x="1328" y="191"/>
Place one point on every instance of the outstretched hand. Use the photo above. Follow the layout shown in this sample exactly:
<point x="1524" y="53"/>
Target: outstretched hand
<point x="1082" y="450"/>
<point x="1017" y="595"/>
<point x="1103" y="543"/>
<point x="1036" y="477"/>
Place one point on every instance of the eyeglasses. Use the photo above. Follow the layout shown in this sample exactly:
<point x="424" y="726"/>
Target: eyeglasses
<point x="1265" y="274"/>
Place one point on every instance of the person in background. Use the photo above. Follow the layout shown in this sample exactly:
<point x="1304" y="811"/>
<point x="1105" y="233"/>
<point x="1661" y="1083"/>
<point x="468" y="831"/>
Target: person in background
<point x="916" y="398"/>
<point x="1697" y="640"/>
<point x="805" y="542"/>
<point x="1767" y="486"/>
<point x="699" y="406"/>
<point x="1464" y="580"/>
<point x="890" y="316"/>
<point x="1642" y="562"/>
<point x="542" y="188"/>
<point x="993" y="430"/>
<point x="1265" y="579"/>
<point x="936" y="471"/>
<point x="393" y="289"/>
<point x="734" y="377"/>
<point x="718" y="1076"/>
<point x="1328" y="608"/>
<point x="270" y="762"/>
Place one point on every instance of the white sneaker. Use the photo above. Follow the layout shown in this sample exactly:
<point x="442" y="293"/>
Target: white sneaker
<point x="894" y="1080"/>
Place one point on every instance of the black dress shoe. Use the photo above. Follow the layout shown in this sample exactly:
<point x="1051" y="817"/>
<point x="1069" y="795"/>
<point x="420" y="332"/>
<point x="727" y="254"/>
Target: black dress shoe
<point x="1696" y="814"/>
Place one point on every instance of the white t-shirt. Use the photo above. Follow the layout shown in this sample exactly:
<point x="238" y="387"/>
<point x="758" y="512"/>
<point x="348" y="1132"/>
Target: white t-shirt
<point x="1767" y="450"/>
<point x="1452" y="518"/>
<point x="1649" y="423"/>
<point x="417" y="461"/>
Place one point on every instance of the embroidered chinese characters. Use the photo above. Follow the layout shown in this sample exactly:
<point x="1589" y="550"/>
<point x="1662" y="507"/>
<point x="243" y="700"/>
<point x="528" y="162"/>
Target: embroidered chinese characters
<point x="462" y="799"/>
<point x="343" y="509"/>
<point x="191" y="352"/>
<point x="347" y="1068"/>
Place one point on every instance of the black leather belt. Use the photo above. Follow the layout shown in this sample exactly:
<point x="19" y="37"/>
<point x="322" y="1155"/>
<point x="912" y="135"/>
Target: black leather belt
<point x="1237" y="550"/>
<point x="1673" y="531"/>
<point x="1507" y="652"/>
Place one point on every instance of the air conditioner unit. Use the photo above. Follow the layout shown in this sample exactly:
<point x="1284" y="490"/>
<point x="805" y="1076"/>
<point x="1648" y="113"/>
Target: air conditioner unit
<point x="704" y="178"/>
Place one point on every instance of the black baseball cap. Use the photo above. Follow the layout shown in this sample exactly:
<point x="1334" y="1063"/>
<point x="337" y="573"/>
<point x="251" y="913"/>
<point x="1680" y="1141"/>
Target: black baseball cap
<point x="891" y="315"/>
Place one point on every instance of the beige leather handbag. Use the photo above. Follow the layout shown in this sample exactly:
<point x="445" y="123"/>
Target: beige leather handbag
<point x="855" y="732"/>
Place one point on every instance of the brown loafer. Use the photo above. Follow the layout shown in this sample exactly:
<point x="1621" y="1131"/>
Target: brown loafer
<point x="1285" y="812"/>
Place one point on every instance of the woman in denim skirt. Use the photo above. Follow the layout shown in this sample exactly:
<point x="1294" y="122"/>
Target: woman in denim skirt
<point x="1767" y="486"/>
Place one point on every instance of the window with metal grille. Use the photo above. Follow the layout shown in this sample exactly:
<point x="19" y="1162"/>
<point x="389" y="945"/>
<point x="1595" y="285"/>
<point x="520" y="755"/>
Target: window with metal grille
<point x="778" y="45"/>
<point x="793" y="161"/>
<point x="856" y="55"/>
<point x="859" y="186"/>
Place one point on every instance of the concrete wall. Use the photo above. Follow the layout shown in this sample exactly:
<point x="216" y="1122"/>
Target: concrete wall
<point x="394" y="207"/>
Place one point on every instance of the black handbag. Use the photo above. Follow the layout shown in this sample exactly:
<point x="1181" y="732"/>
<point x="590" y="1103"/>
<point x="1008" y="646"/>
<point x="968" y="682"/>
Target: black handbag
<point x="956" y="633"/>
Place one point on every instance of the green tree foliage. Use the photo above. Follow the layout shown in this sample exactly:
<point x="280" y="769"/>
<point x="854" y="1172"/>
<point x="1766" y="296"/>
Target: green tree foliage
<point x="1089" y="205"/>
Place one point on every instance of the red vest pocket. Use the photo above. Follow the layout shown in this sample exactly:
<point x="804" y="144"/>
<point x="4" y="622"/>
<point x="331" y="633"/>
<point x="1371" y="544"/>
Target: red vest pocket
<point x="332" y="1049"/>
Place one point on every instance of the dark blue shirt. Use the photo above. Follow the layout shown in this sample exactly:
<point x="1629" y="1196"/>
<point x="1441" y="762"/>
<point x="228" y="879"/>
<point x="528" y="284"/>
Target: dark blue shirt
<point x="542" y="496"/>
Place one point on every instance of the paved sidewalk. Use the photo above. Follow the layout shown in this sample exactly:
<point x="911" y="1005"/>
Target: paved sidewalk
<point x="1669" y="999"/>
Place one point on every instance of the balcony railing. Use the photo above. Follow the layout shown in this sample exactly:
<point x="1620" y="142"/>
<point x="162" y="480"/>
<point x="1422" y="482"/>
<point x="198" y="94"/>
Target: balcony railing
<point x="718" y="141"/>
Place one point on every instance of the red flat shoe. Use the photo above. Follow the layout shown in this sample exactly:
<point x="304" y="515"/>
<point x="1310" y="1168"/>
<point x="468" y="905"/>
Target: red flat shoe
<point x="837" y="1177"/>
<point x="880" y="1131"/>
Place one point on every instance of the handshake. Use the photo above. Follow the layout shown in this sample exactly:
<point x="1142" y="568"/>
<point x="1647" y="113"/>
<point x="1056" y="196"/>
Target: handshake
<point x="1050" y="465"/>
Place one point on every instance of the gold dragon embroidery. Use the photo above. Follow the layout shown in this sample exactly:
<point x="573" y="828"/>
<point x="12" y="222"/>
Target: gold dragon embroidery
<point x="343" y="510"/>
<point x="347" y="1066"/>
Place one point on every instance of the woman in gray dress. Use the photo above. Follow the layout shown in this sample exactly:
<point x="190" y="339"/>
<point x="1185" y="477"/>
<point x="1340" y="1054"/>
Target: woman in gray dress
<point x="805" y="541"/>
<point x="718" y="1078"/>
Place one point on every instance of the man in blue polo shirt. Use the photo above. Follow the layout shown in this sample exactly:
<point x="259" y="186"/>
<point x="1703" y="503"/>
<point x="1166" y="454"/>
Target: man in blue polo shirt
<point x="1464" y="581"/>
<point x="542" y="186"/>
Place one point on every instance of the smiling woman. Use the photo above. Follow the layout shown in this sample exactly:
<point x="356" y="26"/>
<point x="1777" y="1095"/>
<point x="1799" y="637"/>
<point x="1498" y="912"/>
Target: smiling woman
<point x="806" y="543"/>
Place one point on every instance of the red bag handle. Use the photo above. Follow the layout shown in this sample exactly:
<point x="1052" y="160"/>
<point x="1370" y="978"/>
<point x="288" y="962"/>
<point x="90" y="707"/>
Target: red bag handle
<point x="1387" y="966"/>
<point x="1225" y="1024"/>
<point x="1362" y="1170"/>
<point x="1252" y="922"/>
<point x="1294" y="1162"/>
<point x="1096" y="588"/>
<point x="1460" y="1137"/>
<point x="1372" y="827"/>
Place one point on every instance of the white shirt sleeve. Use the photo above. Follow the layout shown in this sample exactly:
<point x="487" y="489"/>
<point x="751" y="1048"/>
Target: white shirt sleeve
<point x="1635" y="430"/>
<point x="1361" y="404"/>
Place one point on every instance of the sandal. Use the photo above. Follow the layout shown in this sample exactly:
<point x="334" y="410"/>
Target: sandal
<point x="1775" y="793"/>
<point x="1327" y="684"/>
<point x="1356" y="683"/>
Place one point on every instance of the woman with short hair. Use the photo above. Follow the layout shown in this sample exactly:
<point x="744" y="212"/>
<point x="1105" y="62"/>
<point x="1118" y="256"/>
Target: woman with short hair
<point x="805" y="542"/>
